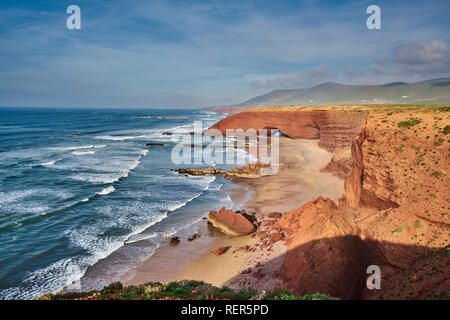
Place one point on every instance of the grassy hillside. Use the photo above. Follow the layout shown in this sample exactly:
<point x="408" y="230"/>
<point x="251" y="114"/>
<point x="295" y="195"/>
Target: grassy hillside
<point x="426" y="92"/>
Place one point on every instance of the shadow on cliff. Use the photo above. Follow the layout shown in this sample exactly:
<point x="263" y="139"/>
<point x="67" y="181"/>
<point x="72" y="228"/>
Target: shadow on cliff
<point x="337" y="266"/>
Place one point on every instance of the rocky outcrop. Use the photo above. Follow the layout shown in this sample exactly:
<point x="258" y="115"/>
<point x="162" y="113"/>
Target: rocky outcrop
<point x="231" y="223"/>
<point x="251" y="170"/>
<point x="201" y="171"/>
<point x="321" y="255"/>
<point x="154" y="144"/>
<point x="353" y="183"/>
<point x="334" y="128"/>
<point x="340" y="164"/>
<point x="369" y="182"/>
<point x="220" y="251"/>
<point x="392" y="215"/>
<point x="174" y="241"/>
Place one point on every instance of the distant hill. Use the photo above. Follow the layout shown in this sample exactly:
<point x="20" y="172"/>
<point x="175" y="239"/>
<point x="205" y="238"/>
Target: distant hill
<point x="331" y="93"/>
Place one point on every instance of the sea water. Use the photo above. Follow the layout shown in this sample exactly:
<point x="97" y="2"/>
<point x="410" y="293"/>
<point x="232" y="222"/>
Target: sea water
<point x="80" y="188"/>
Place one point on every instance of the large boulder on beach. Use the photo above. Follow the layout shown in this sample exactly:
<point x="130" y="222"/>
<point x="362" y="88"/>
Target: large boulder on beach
<point x="231" y="223"/>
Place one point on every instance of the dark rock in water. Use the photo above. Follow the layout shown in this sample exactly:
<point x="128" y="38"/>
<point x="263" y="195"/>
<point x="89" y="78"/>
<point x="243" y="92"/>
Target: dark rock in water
<point x="174" y="241"/>
<point x="194" y="236"/>
<point x="201" y="172"/>
<point x="154" y="144"/>
<point x="195" y="145"/>
<point x="166" y="133"/>
<point x="221" y="250"/>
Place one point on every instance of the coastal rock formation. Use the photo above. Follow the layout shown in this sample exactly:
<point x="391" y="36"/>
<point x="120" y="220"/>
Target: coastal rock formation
<point x="201" y="171"/>
<point x="341" y="164"/>
<point x="231" y="223"/>
<point x="154" y="144"/>
<point x="275" y="215"/>
<point x="392" y="215"/>
<point x="335" y="128"/>
<point x="251" y="170"/>
<point x="370" y="182"/>
<point x="174" y="241"/>
<point x="320" y="257"/>
<point x="220" y="251"/>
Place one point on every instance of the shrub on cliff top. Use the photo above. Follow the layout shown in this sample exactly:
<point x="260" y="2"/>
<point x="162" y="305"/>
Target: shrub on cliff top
<point x="285" y="294"/>
<point x="437" y="174"/>
<point x="184" y="290"/>
<point x="447" y="130"/>
<point x="409" y="123"/>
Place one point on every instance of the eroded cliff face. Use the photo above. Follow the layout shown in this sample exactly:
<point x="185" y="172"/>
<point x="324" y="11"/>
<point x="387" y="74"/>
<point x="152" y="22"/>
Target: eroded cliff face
<point x="369" y="183"/>
<point x="340" y="164"/>
<point x="394" y="212"/>
<point x="334" y="127"/>
<point x="324" y="253"/>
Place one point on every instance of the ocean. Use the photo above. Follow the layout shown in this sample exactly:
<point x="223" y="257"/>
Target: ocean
<point x="80" y="186"/>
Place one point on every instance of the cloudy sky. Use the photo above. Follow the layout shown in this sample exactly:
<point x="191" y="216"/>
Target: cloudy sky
<point x="184" y="53"/>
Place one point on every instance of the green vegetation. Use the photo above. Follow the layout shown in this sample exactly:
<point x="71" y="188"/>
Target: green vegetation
<point x="437" y="174"/>
<point x="418" y="224"/>
<point x="397" y="230"/>
<point x="447" y="130"/>
<point x="409" y="123"/>
<point x="401" y="148"/>
<point x="179" y="290"/>
<point x="285" y="294"/>
<point x="439" y="142"/>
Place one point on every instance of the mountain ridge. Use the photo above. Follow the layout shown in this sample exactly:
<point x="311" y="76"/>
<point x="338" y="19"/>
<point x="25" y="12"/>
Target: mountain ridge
<point x="433" y="91"/>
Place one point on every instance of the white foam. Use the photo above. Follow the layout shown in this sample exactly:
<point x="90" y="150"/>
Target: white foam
<point x="74" y="148"/>
<point x="106" y="191"/>
<point x="48" y="164"/>
<point x="82" y="153"/>
<point x="119" y="138"/>
<point x="115" y="174"/>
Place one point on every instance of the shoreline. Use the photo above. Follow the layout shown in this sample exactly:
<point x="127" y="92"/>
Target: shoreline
<point x="248" y="263"/>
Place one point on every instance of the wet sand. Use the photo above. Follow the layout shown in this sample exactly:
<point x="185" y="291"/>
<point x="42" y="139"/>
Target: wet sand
<point x="298" y="181"/>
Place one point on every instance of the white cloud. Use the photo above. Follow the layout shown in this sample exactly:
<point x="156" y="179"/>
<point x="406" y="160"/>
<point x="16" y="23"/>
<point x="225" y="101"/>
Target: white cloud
<point x="198" y="53"/>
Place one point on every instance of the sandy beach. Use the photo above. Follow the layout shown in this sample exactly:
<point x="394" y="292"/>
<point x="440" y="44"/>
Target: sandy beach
<point x="298" y="181"/>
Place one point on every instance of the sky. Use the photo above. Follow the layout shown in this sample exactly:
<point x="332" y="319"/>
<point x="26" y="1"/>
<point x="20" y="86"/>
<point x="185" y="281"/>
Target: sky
<point x="185" y="54"/>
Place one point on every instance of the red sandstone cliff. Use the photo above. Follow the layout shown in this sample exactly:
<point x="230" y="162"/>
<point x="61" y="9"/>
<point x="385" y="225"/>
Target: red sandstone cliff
<point x="334" y="128"/>
<point x="393" y="214"/>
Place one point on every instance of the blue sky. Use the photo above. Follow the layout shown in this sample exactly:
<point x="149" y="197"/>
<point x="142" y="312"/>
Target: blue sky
<point x="182" y="53"/>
